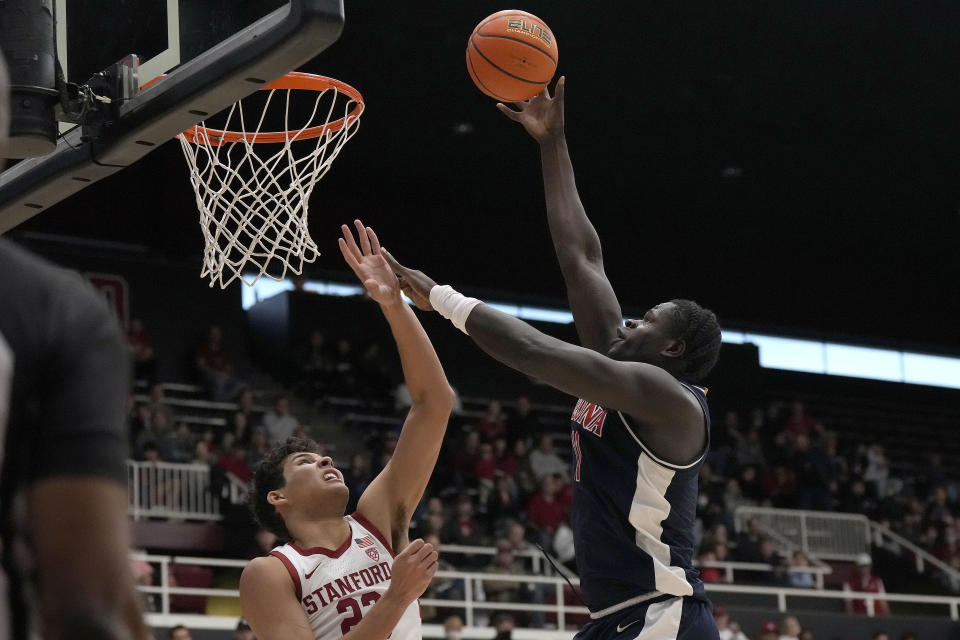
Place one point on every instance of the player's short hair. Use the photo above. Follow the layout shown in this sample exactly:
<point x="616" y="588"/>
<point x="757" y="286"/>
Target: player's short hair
<point x="268" y="476"/>
<point x="700" y="331"/>
<point x="175" y="628"/>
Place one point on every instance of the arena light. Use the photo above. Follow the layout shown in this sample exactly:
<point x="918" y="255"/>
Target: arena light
<point x="776" y="352"/>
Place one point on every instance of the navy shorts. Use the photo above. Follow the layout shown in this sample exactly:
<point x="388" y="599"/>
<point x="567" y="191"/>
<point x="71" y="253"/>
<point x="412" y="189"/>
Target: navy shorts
<point x="670" y="618"/>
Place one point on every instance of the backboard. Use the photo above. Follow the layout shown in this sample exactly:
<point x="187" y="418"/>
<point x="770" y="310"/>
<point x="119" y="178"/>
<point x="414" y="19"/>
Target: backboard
<point x="213" y="53"/>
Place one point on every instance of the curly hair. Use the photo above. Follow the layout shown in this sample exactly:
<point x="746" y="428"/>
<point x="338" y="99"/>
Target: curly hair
<point x="700" y="331"/>
<point x="268" y="476"/>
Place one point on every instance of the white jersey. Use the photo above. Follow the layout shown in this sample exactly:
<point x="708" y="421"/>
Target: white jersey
<point x="336" y="586"/>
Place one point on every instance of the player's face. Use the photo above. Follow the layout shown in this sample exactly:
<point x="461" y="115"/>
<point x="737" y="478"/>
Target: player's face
<point x="644" y="339"/>
<point x="312" y="483"/>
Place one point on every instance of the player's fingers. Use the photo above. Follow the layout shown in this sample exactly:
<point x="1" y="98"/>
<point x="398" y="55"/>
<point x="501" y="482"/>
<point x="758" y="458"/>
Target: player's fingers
<point x="413" y="548"/>
<point x="558" y="90"/>
<point x="374" y="240"/>
<point x="429" y="559"/>
<point x="396" y="266"/>
<point x="351" y="243"/>
<point x="347" y="254"/>
<point x="507" y="111"/>
<point x="362" y="235"/>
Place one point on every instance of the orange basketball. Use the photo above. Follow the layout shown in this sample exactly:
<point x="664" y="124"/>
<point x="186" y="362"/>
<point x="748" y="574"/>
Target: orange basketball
<point x="511" y="55"/>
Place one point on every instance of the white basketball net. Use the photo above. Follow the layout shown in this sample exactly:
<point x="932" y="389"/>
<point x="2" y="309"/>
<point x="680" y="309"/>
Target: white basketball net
<point x="253" y="197"/>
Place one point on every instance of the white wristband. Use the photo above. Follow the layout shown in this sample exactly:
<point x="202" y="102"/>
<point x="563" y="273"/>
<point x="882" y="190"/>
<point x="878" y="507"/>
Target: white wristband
<point x="452" y="305"/>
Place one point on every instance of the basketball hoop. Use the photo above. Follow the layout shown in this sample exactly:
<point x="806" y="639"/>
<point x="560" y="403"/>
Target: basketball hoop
<point x="253" y="189"/>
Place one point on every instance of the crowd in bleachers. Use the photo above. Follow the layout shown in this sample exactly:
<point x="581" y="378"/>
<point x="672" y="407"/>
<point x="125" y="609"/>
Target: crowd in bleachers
<point x="502" y="478"/>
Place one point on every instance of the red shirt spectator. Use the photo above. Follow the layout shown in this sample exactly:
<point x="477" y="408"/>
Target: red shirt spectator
<point x="485" y="468"/>
<point x="506" y="462"/>
<point x="865" y="582"/>
<point x="546" y="509"/>
<point x="799" y="423"/>
<point x="236" y="463"/>
<point x="493" y="425"/>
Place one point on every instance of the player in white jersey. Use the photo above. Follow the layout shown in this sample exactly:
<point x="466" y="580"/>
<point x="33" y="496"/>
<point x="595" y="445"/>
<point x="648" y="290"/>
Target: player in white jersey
<point x="337" y="575"/>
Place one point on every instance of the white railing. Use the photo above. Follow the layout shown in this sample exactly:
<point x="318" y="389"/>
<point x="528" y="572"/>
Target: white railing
<point x="473" y="601"/>
<point x="827" y="535"/>
<point x="171" y="490"/>
<point x="884" y="537"/>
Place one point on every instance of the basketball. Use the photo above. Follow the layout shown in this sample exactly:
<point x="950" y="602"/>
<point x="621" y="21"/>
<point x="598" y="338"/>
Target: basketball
<point x="511" y="55"/>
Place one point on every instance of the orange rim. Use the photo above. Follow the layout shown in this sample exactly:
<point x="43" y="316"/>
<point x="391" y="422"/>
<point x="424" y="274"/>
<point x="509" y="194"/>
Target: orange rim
<point x="293" y="80"/>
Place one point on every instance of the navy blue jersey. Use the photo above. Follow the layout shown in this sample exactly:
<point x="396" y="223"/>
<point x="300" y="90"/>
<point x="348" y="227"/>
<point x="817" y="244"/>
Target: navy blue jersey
<point x="633" y="513"/>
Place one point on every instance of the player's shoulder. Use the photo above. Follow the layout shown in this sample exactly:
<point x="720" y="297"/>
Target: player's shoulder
<point x="37" y="282"/>
<point x="264" y="572"/>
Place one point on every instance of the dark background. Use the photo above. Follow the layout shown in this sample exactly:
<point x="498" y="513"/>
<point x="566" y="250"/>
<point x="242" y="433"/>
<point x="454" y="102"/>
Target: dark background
<point x="792" y="165"/>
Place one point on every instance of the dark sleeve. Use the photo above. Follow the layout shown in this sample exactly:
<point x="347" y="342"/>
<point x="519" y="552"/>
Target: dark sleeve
<point x="80" y="404"/>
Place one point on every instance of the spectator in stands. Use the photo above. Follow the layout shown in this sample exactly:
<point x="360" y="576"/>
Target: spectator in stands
<point x="877" y="470"/>
<point x="265" y="541"/>
<point x="544" y="460"/>
<point x="235" y="463"/>
<point x="239" y="428"/>
<point x="279" y="422"/>
<point x="357" y="478"/>
<point x="143" y="577"/>
<point x="504" y="623"/>
<point x="503" y="563"/>
<point x="465" y="458"/>
<point x="179" y="632"/>
<point x="709" y="573"/>
<point x="523" y="422"/>
<point x="158" y="402"/>
<point x="517" y="537"/>
<point x="314" y="364"/>
<point x="717" y="534"/>
<point x="749" y="449"/>
<point x="182" y="442"/>
<point x="728" y="630"/>
<point x="259" y="445"/>
<point x="748" y="542"/>
<point x="563" y="546"/>
<point x="453" y="628"/>
<point x="768" y="555"/>
<point x="245" y="405"/>
<point x="441" y="588"/>
<point x="807" y="634"/>
<point x="343" y="378"/>
<point x="864" y="581"/>
<point x="857" y="500"/>
<point x="880" y="635"/>
<point x="202" y="454"/>
<point x="769" y="631"/>
<point x="373" y="374"/>
<point x="216" y="369"/>
<point x="938" y="510"/>
<point x="505" y="460"/>
<point x="800" y="579"/>
<point x="733" y="497"/>
<point x="504" y="502"/>
<point x="790" y="628"/>
<point x="780" y="486"/>
<point x="485" y="467"/>
<point x="465" y="529"/>
<point x="750" y="485"/>
<point x="812" y="466"/>
<point x="493" y="424"/>
<point x="141" y="352"/>
<point x="799" y="423"/>
<point x="546" y="510"/>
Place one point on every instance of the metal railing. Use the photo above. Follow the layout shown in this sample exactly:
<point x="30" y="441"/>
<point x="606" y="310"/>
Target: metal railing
<point x="171" y="490"/>
<point x="473" y="601"/>
<point x="827" y="535"/>
<point x="884" y="537"/>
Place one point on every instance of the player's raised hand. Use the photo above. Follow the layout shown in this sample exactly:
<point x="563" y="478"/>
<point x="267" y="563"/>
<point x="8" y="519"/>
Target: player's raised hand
<point x="413" y="570"/>
<point x="368" y="263"/>
<point x="415" y="284"/>
<point x="541" y="115"/>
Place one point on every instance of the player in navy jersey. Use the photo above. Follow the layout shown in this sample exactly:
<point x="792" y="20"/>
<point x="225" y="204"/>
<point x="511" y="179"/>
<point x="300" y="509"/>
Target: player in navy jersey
<point x="640" y="429"/>
<point x="336" y="576"/>
<point x="64" y="532"/>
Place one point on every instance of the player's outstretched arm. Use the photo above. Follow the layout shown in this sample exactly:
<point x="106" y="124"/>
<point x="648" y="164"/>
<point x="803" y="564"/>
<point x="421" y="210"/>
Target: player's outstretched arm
<point x="641" y="390"/>
<point x="596" y="310"/>
<point x="390" y="499"/>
